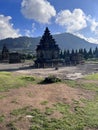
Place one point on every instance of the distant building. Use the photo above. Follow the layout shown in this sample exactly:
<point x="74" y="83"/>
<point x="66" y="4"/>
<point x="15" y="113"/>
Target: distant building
<point x="14" y="57"/>
<point x="47" y="51"/>
<point x="9" y="57"/>
<point x="76" y="59"/>
<point x="5" y="54"/>
<point x="73" y="59"/>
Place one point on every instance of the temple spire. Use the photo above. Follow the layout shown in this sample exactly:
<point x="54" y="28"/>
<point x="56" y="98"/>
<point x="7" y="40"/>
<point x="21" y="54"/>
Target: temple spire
<point x="47" y="39"/>
<point x="5" y="53"/>
<point x="47" y="51"/>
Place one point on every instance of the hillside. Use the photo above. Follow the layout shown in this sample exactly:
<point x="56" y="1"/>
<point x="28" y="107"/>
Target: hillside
<point x="21" y="43"/>
<point x="70" y="41"/>
<point x="64" y="40"/>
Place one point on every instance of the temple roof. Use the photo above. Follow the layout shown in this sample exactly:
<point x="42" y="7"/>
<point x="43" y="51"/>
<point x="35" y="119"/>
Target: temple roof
<point x="5" y="49"/>
<point x="47" y="41"/>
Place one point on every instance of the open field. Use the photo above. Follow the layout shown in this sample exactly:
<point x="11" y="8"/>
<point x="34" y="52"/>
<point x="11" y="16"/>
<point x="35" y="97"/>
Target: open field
<point x="68" y="72"/>
<point x="27" y="104"/>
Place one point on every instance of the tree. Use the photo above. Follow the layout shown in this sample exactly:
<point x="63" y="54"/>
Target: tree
<point x="61" y="54"/>
<point x="85" y="54"/>
<point x="90" y="53"/>
<point x="95" y="53"/>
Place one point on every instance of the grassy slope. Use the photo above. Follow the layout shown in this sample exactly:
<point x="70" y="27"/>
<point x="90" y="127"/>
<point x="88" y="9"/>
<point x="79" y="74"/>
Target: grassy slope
<point x="80" y="118"/>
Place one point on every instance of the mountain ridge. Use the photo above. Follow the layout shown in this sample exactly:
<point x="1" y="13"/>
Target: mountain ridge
<point x="64" y="40"/>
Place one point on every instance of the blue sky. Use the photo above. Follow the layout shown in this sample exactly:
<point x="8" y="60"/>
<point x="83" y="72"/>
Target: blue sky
<point x="30" y="17"/>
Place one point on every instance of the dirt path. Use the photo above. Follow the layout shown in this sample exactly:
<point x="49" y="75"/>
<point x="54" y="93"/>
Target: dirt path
<point x="34" y="95"/>
<point x="68" y="72"/>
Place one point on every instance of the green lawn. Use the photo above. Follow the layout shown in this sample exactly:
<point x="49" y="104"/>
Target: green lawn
<point x="10" y="80"/>
<point x="92" y="76"/>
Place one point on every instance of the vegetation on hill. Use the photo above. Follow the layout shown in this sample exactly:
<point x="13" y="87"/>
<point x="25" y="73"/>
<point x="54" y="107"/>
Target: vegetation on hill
<point x="21" y="44"/>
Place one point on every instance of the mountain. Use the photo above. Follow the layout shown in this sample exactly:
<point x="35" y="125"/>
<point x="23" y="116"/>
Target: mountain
<point x="20" y="43"/>
<point x="64" y="40"/>
<point x="70" y="41"/>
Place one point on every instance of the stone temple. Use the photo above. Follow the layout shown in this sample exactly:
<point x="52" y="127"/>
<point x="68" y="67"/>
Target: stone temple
<point x="9" y="57"/>
<point x="47" y="52"/>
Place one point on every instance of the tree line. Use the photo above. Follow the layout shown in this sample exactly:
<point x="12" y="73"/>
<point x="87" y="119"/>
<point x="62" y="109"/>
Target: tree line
<point x="86" y="54"/>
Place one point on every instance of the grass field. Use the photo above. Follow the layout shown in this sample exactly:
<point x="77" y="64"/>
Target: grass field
<point x="78" y="114"/>
<point x="9" y="81"/>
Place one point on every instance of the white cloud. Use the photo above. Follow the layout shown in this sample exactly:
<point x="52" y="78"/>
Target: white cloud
<point x="6" y="28"/>
<point x="29" y="33"/>
<point x="89" y="39"/>
<point x="92" y="40"/>
<point x="73" y="21"/>
<point x="77" y="20"/>
<point x="39" y="10"/>
<point x="93" y="24"/>
<point x="33" y="27"/>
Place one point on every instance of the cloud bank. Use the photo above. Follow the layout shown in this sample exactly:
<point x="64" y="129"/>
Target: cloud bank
<point x="39" y="10"/>
<point x="93" y="25"/>
<point x="72" y="21"/>
<point x="6" y="28"/>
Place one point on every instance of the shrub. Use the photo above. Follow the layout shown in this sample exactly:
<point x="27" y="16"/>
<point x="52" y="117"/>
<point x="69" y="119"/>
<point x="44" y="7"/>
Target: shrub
<point x="51" y="79"/>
